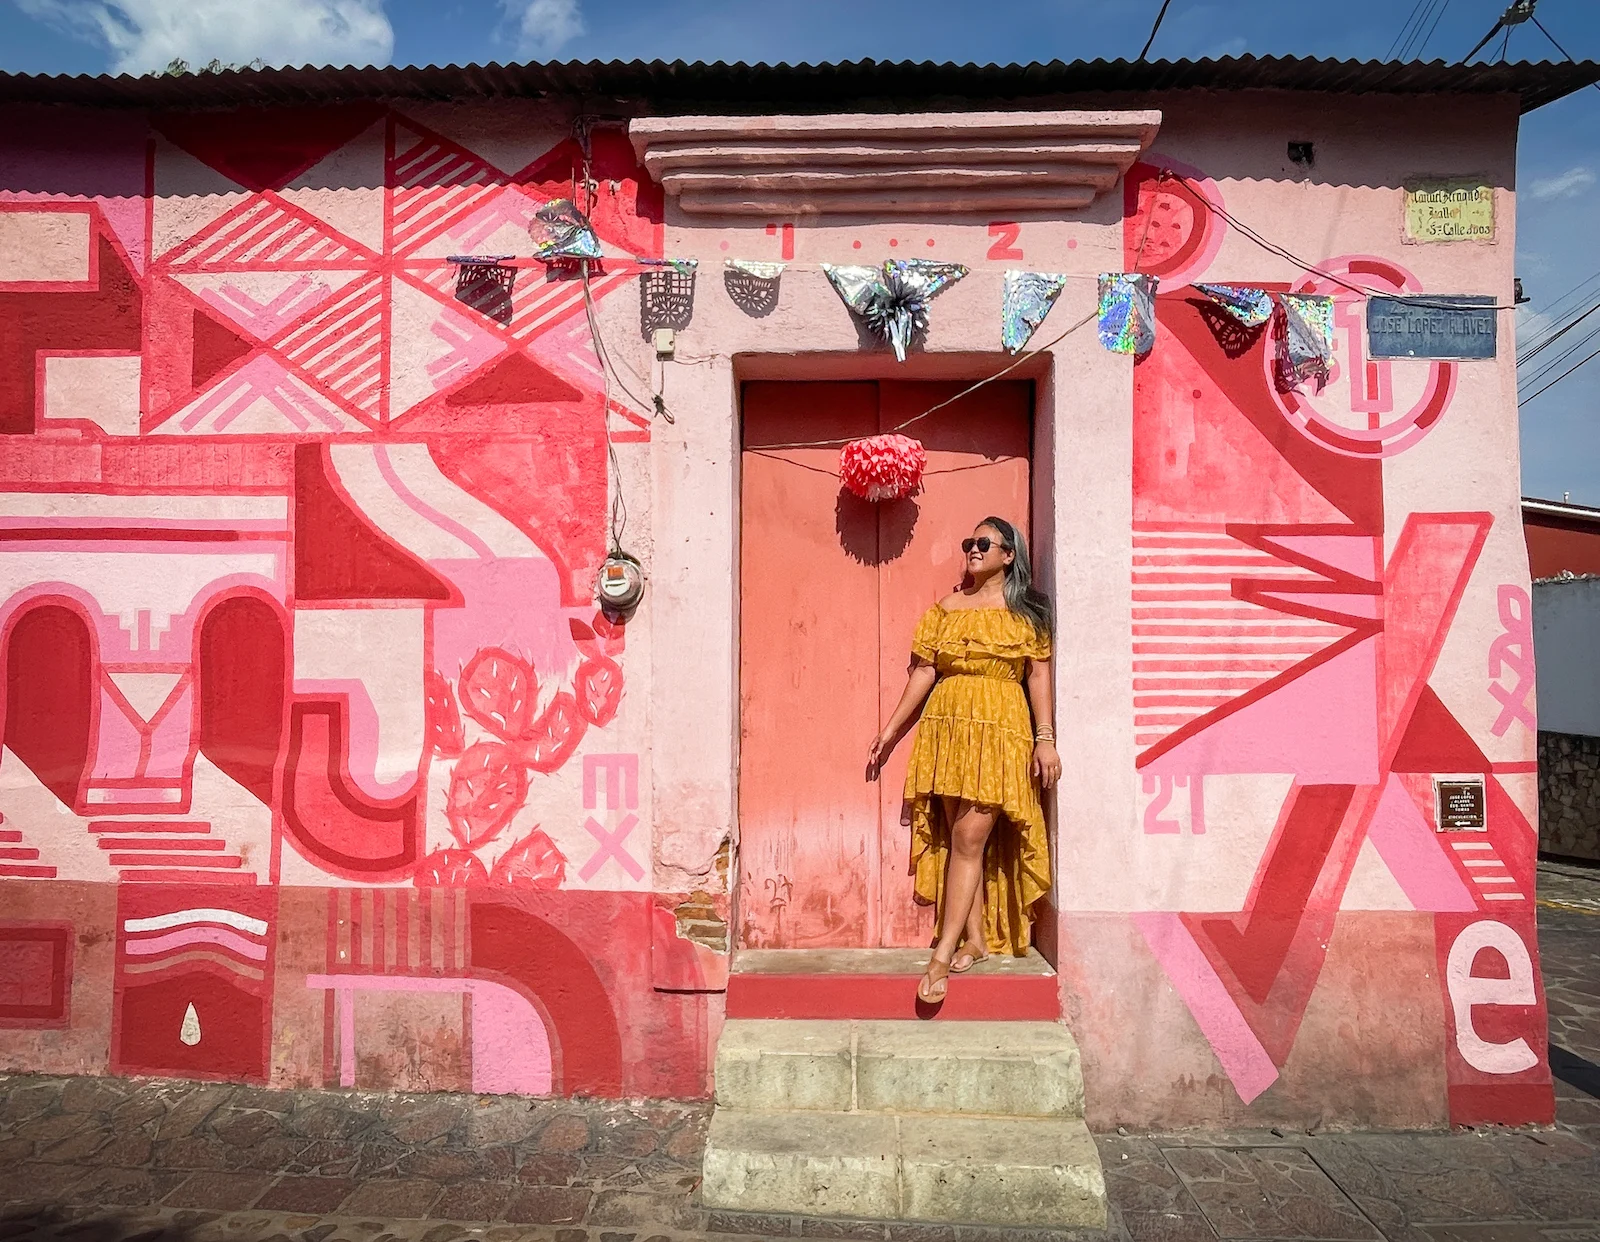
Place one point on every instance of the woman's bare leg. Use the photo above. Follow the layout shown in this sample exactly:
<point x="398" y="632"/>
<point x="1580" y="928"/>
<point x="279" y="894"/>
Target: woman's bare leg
<point x="974" y="937"/>
<point x="969" y="832"/>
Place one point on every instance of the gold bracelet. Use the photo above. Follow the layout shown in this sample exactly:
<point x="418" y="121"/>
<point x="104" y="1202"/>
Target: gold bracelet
<point x="1045" y="735"/>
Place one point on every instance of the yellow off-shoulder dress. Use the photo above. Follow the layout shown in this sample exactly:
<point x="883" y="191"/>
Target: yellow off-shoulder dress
<point x="975" y="741"/>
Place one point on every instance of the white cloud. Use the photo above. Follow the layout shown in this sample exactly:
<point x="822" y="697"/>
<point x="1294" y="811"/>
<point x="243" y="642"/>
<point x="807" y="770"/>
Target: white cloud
<point x="144" y="35"/>
<point x="1563" y="185"/>
<point x="544" y="26"/>
<point x="1235" y="46"/>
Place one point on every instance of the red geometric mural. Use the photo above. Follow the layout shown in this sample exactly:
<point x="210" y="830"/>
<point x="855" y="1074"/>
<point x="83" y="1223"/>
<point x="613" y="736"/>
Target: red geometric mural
<point x="272" y="494"/>
<point x="1275" y="639"/>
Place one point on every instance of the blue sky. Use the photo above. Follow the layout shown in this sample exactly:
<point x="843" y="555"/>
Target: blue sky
<point x="1558" y="164"/>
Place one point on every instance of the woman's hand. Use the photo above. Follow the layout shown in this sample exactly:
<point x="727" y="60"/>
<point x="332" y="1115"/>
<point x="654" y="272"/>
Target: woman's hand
<point x="1046" y="764"/>
<point x="878" y="751"/>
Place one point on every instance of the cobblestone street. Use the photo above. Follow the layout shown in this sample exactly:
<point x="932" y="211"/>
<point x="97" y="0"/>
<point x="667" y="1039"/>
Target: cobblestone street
<point x="103" y="1160"/>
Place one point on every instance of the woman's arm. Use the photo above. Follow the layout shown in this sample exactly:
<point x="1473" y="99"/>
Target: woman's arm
<point x="918" y="686"/>
<point x="1046" y="762"/>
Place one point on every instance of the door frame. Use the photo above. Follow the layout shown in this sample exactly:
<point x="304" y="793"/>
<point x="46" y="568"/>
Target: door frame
<point x="842" y="367"/>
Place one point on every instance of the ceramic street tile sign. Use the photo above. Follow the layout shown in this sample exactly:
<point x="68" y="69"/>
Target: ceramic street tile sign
<point x="1453" y="210"/>
<point x="1435" y="326"/>
<point x="1460" y="803"/>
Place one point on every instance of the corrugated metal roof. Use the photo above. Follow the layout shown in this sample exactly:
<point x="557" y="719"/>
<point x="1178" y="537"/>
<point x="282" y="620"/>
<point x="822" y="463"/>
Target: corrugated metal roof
<point x="863" y="84"/>
<point x="1560" y="509"/>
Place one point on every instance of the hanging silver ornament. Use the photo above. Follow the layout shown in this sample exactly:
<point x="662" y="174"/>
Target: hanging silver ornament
<point x="1025" y="300"/>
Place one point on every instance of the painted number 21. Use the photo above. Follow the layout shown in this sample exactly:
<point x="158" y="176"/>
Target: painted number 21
<point x="1156" y="822"/>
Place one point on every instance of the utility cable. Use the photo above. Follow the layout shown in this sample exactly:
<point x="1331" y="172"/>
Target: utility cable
<point x="1403" y="37"/>
<point x="1518" y="12"/>
<point x="1550" y="338"/>
<point x="1524" y="401"/>
<point x="1554" y="364"/>
<point x="1557" y="46"/>
<point x="1311" y="269"/>
<point x="1439" y="17"/>
<point x="1144" y="51"/>
<point x="1551" y="365"/>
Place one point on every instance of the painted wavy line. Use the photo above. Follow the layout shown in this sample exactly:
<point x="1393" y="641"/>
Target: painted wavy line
<point x="380" y="454"/>
<point x="201" y="914"/>
<point x="149" y="946"/>
<point x="197" y="935"/>
<point x="195" y="955"/>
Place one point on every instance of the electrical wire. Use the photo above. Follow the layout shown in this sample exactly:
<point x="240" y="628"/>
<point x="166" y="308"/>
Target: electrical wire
<point x="1555" y="309"/>
<point x="1525" y="400"/>
<point x="1145" y="50"/>
<point x="1550" y="338"/>
<point x="1405" y="31"/>
<point x="1412" y="41"/>
<point x="1553" y="364"/>
<point x="1138" y="258"/>
<point x="1485" y="41"/>
<point x="1423" y="46"/>
<point x="1556" y="45"/>
<point x="1311" y="269"/>
<point x="1021" y="358"/>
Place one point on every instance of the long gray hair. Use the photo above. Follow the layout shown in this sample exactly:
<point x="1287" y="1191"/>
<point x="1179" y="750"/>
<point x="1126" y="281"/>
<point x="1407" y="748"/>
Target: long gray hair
<point x="1031" y="605"/>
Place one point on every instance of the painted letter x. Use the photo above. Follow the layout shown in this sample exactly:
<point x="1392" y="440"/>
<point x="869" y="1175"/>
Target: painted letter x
<point x="611" y="847"/>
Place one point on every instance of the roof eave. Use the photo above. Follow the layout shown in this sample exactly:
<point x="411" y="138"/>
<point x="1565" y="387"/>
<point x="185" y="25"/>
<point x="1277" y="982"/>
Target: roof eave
<point x="743" y="87"/>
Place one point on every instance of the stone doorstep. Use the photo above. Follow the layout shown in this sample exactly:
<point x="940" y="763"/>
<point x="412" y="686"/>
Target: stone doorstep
<point x="843" y="984"/>
<point x="1009" y="1069"/>
<point x="998" y="1171"/>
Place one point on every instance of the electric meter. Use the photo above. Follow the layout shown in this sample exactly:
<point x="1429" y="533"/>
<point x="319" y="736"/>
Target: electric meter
<point x="621" y="582"/>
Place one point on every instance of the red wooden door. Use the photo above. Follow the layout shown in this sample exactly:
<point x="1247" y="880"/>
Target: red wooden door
<point x="830" y="590"/>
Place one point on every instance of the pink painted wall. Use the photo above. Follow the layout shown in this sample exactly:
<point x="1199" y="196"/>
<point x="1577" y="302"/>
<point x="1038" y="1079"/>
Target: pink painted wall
<point x="326" y="742"/>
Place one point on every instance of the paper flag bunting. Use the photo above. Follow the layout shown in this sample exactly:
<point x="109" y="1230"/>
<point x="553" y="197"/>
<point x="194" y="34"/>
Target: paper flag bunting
<point x="893" y="301"/>
<point x="929" y="275"/>
<point x="752" y="285"/>
<point x="1251" y="307"/>
<point x="560" y="231"/>
<point x="853" y="283"/>
<point x="1305" y="339"/>
<point x="755" y="269"/>
<point x="1127" y="312"/>
<point x="684" y="267"/>
<point x="1026" y="299"/>
<point x="666" y="293"/>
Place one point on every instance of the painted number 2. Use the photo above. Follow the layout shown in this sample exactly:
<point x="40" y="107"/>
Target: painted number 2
<point x="1005" y="245"/>
<point x="1163" y="787"/>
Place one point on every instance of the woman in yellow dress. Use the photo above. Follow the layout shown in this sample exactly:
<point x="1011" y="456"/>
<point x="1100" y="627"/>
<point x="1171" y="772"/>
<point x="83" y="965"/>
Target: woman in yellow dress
<point x="980" y="756"/>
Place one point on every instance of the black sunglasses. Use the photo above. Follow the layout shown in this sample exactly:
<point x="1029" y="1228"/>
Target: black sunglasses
<point x="983" y="543"/>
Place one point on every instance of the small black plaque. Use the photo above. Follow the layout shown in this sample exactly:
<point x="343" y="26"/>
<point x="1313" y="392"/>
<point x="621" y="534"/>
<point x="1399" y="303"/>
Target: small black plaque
<point x="1461" y="803"/>
<point x="1432" y="327"/>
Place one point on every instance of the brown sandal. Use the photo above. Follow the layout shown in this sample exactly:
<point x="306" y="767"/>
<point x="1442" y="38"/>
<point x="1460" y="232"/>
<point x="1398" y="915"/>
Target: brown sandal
<point x="938" y="972"/>
<point x="956" y="968"/>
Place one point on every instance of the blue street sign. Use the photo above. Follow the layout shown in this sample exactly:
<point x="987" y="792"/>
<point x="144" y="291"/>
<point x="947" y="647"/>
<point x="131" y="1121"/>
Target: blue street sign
<point x="1431" y="326"/>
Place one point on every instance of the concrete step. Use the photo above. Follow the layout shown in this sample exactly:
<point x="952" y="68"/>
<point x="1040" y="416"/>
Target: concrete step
<point x="1013" y="1069"/>
<point x="1039" y="1171"/>
<point x="823" y="984"/>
